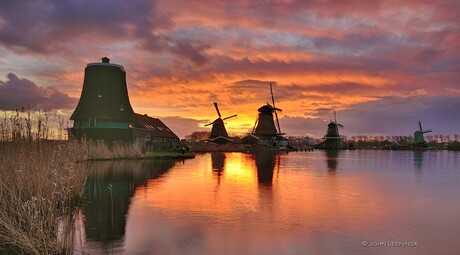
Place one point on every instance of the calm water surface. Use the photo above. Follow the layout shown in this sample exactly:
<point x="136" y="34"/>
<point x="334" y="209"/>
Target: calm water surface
<point x="296" y="203"/>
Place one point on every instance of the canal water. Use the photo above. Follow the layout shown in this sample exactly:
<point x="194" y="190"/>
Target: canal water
<point x="350" y="202"/>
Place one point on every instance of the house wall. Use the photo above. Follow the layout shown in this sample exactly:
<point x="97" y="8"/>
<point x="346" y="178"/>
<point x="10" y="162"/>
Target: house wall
<point x="98" y="123"/>
<point x="150" y="142"/>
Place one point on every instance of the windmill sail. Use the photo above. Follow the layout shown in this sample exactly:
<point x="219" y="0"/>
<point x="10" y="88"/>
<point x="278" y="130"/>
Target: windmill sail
<point x="217" y="110"/>
<point x="276" y="114"/>
<point x="218" y="132"/>
<point x="419" y="140"/>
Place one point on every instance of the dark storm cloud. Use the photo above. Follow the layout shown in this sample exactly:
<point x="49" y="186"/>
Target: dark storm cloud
<point x="260" y="66"/>
<point x="429" y="55"/>
<point x="39" y="25"/>
<point x="193" y="52"/>
<point x="16" y="93"/>
<point x="43" y="26"/>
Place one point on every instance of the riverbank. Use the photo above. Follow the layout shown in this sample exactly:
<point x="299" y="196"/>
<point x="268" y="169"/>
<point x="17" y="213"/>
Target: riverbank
<point x="150" y="155"/>
<point x="100" y="150"/>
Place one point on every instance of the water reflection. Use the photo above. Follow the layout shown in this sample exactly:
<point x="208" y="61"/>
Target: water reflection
<point x="109" y="188"/>
<point x="265" y="164"/>
<point x="418" y="160"/>
<point x="286" y="204"/>
<point x="332" y="160"/>
<point x="218" y="162"/>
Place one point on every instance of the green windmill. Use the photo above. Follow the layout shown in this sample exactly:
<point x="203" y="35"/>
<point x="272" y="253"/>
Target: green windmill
<point x="419" y="140"/>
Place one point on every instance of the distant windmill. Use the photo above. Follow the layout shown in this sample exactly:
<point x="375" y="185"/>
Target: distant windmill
<point x="419" y="140"/>
<point x="333" y="138"/>
<point x="264" y="131"/>
<point x="219" y="133"/>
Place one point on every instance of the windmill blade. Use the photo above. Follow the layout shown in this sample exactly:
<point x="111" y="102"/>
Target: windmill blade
<point x="340" y="125"/>
<point x="426" y="131"/>
<point x="229" y="117"/>
<point x="276" y="109"/>
<point x="335" y="117"/>
<point x="255" y="124"/>
<point x="217" y="109"/>
<point x="209" y="124"/>
<point x="420" y="126"/>
<point x="277" y="121"/>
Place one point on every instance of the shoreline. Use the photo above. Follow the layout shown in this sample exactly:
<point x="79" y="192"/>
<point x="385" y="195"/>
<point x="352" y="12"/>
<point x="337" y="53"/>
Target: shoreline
<point x="159" y="155"/>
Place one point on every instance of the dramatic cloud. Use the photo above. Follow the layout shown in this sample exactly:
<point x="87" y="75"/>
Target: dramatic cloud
<point x="41" y="25"/>
<point x="18" y="93"/>
<point x="180" y="56"/>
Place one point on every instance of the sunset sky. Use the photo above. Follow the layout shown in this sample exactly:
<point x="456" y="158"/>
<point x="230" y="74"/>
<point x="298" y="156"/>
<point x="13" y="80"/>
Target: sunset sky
<point x="382" y="65"/>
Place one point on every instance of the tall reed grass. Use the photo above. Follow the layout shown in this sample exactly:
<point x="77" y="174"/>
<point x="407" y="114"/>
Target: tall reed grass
<point x="114" y="150"/>
<point x="32" y="125"/>
<point x="41" y="184"/>
<point x="42" y="180"/>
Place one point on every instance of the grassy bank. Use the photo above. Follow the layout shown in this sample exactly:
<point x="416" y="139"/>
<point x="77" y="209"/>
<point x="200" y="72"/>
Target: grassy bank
<point x="100" y="150"/>
<point x="167" y="155"/>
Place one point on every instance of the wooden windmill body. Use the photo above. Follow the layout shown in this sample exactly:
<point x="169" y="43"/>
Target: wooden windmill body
<point x="333" y="140"/>
<point x="265" y="132"/>
<point x="219" y="134"/>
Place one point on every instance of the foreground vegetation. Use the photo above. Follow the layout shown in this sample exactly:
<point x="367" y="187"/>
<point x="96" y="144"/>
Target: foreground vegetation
<point x="41" y="185"/>
<point x="42" y="182"/>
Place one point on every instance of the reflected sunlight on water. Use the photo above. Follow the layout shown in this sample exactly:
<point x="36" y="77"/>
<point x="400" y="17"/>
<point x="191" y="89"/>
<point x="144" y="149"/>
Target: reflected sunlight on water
<point x="298" y="203"/>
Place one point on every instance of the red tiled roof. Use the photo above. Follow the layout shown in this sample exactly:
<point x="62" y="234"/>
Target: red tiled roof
<point x="154" y="125"/>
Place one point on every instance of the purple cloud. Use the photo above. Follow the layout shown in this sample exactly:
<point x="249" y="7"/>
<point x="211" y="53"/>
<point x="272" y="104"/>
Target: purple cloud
<point x="40" y="26"/>
<point x="388" y="115"/>
<point x="16" y="93"/>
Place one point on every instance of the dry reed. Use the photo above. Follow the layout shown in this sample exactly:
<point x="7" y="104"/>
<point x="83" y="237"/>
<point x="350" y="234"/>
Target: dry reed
<point x="113" y="150"/>
<point x="41" y="185"/>
<point x="42" y="181"/>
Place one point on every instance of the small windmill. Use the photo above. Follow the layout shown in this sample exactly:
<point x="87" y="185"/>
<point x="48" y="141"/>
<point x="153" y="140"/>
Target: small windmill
<point x="218" y="132"/>
<point x="264" y="124"/>
<point x="333" y="140"/>
<point x="333" y="129"/>
<point x="419" y="140"/>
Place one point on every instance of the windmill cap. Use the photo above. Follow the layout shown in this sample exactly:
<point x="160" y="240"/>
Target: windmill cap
<point x="106" y="62"/>
<point x="268" y="109"/>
